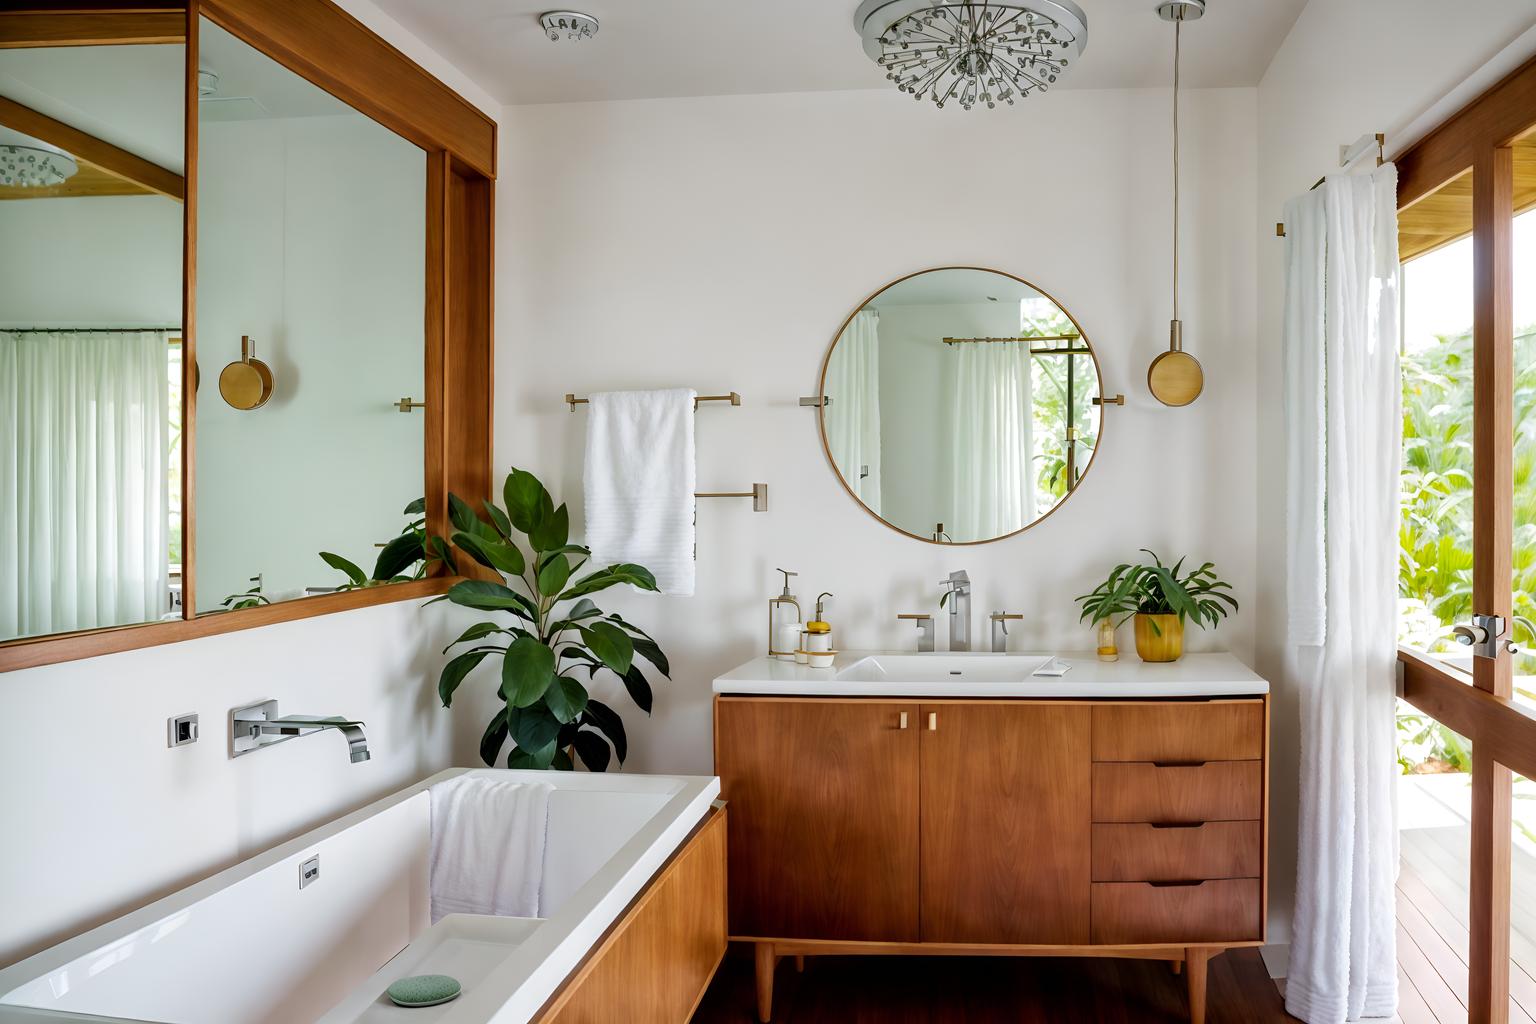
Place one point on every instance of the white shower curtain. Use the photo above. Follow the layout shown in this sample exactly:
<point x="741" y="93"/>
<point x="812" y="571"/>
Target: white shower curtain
<point x="1341" y="337"/>
<point x="853" y="418"/>
<point x="83" y="505"/>
<point x="992" y="446"/>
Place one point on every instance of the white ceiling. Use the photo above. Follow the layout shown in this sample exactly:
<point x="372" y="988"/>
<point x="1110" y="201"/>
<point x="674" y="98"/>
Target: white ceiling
<point x="656" y="48"/>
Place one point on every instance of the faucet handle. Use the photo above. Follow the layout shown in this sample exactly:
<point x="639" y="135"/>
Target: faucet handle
<point x="919" y="616"/>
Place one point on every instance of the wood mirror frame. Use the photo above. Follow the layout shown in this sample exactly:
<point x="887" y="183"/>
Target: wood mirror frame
<point x="322" y="43"/>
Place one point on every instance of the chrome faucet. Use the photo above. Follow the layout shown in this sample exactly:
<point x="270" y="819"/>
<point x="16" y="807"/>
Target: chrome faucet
<point x="924" y="623"/>
<point x="958" y="598"/>
<point x="1000" y="622"/>
<point x="258" y="726"/>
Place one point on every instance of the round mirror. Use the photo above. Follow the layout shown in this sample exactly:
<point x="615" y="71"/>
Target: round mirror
<point x="960" y="405"/>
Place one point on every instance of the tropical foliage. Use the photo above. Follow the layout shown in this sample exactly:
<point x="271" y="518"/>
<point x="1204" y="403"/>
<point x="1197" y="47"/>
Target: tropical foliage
<point x="409" y="556"/>
<point x="1050" y="419"/>
<point x="550" y="632"/>
<point x="1198" y="596"/>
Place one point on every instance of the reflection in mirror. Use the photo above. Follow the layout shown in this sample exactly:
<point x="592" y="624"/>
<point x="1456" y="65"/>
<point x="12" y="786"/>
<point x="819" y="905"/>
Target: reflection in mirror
<point x="91" y="146"/>
<point x="310" y="312"/>
<point x="960" y="405"/>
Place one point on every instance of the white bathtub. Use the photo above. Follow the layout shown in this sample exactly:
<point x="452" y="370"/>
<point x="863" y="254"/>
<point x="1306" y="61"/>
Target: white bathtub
<point x="249" y="946"/>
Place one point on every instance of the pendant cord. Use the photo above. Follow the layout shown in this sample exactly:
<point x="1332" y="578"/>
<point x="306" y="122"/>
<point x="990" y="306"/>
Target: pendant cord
<point x="1178" y="23"/>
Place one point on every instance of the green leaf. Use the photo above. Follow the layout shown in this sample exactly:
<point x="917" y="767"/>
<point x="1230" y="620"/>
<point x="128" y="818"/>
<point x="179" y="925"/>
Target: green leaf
<point x="535" y="760"/>
<point x="441" y="552"/>
<point x="454" y="673"/>
<point x="487" y="596"/>
<point x="356" y="575"/>
<point x="416" y="508"/>
<point x="398" y="555"/>
<point x="593" y="750"/>
<point x="562" y="761"/>
<point x="498" y="519"/>
<point x="566" y="698"/>
<point x="613" y="575"/>
<point x="478" y="631"/>
<point x="495" y="736"/>
<point x="501" y="555"/>
<point x="524" y="497"/>
<point x="601" y="716"/>
<point x="611" y="644"/>
<point x="639" y="688"/>
<point x="648" y="650"/>
<point x="526" y="672"/>
<point x="554" y="576"/>
<point x="553" y="531"/>
<point x="533" y="728"/>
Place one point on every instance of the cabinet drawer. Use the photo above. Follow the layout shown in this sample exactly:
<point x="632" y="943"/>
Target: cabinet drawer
<point x="1149" y="853"/>
<point x="1217" y="791"/>
<point x="1220" y="910"/>
<point x="1226" y="731"/>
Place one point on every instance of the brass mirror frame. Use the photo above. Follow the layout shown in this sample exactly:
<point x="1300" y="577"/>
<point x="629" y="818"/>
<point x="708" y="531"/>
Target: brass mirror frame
<point x="821" y="409"/>
<point x="322" y="43"/>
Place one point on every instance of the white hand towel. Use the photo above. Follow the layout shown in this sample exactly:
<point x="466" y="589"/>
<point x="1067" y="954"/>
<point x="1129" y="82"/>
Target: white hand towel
<point x="639" y="480"/>
<point x="488" y="839"/>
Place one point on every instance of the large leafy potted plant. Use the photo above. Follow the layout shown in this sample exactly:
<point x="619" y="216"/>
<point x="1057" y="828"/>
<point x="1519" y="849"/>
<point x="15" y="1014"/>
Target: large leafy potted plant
<point x="550" y="632"/>
<point x="1161" y="600"/>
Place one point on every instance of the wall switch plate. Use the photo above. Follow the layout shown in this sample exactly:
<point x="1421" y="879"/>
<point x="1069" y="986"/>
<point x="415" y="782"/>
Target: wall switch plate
<point x="181" y="730"/>
<point x="309" y="871"/>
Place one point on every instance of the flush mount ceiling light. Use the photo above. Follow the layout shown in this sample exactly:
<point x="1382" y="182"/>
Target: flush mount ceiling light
<point x="32" y="163"/>
<point x="972" y="52"/>
<point x="571" y="24"/>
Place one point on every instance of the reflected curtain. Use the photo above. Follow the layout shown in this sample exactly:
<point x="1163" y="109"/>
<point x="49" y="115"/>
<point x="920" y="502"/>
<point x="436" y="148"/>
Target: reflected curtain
<point x="83" y="505"/>
<point x="992" y="473"/>
<point x="853" y="418"/>
<point x="1343" y="437"/>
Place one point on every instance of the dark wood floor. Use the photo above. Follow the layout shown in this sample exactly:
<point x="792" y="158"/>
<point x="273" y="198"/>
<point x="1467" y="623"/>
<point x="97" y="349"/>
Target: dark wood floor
<point x="982" y="990"/>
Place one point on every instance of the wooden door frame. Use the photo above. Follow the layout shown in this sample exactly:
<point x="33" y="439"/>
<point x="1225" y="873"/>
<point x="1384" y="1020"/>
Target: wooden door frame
<point x="322" y="43"/>
<point x="1478" y="140"/>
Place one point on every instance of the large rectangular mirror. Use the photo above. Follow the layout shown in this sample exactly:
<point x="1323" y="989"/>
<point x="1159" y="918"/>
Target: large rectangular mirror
<point x="91" y="191"/>
<point x="310" y="308"/>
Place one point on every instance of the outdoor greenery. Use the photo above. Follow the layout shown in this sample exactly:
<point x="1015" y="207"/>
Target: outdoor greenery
<point x="1050" y="408"/>
<point x="552" y="631"/>
<point x="1198" y="596"/>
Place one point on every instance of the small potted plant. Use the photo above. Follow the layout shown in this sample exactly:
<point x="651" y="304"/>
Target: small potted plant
<point x="1160" y="599"/>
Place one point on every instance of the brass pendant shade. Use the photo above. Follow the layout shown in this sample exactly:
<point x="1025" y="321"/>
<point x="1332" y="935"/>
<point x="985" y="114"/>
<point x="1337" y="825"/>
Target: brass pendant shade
<point x="246" y="384"/>
<point x="1175" y="377"/>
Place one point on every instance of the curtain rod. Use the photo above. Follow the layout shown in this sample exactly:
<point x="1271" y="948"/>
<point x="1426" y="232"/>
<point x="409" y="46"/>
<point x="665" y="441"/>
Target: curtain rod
<point x="1347" y="156"/>
<point x="86" y="330"/>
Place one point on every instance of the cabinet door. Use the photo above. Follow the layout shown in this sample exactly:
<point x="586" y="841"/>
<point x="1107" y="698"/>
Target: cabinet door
<point x="1006" y="829"/>
<point x="823" y="817"/>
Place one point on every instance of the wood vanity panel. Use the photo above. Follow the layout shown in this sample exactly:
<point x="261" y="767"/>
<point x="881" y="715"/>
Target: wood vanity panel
<point x="1188" y="731"/>
<point x="654" y="964"/>
<point x="1223" y="910"/>
<point x="823" y="823"/>
<point x="1216" y="791"/>
<point x="992" y="871"/>
<point x="1144" y="852"/>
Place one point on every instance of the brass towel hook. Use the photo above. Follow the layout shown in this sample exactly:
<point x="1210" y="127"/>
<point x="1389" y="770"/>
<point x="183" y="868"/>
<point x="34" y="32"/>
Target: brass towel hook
<point x="408" y="404"/>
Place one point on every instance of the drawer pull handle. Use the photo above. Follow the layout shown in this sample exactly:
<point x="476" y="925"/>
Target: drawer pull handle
<point x="1178" y="764"/>
<point x="933" y="721"/>
<point x="1177" y="824"/>
<point x="903" y="720"/>
<point x="1189" y="884"/>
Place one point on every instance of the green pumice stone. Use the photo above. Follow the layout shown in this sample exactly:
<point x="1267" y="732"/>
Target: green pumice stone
<point x="423" y="990"/>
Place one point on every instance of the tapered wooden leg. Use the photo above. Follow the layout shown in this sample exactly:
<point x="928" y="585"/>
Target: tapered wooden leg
<point x="1175" y="966"/>
<point x="1195" y="960"/>
<point x="765" y="964"/>
<point x="799" y="965"/>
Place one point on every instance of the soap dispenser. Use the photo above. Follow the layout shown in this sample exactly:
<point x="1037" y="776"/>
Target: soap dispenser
<point x="819" y="631"/>
<point x="784" y="622"/>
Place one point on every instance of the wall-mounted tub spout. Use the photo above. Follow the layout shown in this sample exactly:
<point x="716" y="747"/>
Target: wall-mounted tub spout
<point x="256" y="726"/>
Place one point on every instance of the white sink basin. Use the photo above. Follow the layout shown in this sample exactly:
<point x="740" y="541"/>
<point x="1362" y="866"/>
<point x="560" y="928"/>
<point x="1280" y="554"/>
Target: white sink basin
<point x="943" y="668"/>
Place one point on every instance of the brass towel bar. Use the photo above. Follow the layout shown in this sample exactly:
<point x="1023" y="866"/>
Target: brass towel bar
<point x="572" y="401"/>
<point x="758" y="494"/>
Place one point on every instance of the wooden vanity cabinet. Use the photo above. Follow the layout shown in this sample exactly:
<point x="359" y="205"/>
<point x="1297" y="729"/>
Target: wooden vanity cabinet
<point x="1025" y="827"/>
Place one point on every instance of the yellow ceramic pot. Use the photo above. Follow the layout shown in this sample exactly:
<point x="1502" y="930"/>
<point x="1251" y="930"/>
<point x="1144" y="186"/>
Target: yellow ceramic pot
<point x="1164" y="643"/>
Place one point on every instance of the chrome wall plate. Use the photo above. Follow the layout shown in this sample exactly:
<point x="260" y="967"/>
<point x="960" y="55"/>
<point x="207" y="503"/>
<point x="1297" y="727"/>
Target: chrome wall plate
<point x="181" y="730"/>
<point x="241" y="739"/>
<point x="309" y="871"/>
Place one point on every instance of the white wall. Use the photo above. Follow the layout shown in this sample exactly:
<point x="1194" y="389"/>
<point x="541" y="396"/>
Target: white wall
<point x="122" y="254"/>
<point x="310" y="239"/>
<point x="1348" y="67"/>
<point x="720" y="243"/>
<point x="101" y="817"/>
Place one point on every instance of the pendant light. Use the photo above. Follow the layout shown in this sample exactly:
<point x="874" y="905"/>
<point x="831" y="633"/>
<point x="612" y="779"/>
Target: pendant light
<point x="1175" y="377"/>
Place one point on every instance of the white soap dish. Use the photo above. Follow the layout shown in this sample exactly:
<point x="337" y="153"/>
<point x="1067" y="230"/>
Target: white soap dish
<point x="1054" y="668"/>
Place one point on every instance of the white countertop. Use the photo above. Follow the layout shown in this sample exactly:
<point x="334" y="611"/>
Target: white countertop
<point x="1194" y="675"/>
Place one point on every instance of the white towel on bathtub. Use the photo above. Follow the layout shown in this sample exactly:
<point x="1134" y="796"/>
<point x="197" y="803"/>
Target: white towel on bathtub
<point x="639" y="480"/>
<point x="488" y="838"/>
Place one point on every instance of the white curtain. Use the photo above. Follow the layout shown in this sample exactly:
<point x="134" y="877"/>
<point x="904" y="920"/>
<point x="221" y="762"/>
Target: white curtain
<point x="853" y="418"/>
<point x="1343" y="425"/>
<point x="83" y="506"/>
<point x="992" y="441"/>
